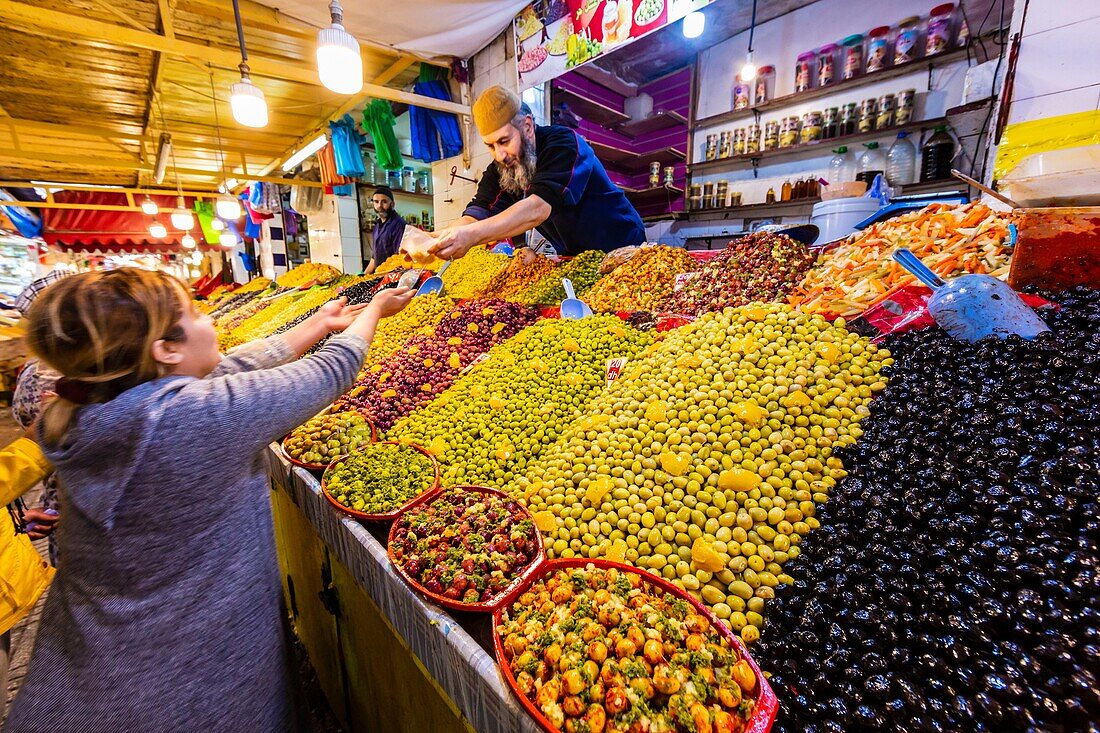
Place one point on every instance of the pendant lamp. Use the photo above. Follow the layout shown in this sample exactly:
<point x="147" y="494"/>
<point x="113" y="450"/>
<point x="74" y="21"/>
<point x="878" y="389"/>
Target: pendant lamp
<point x="228" y="207"/>
<point x="149" y="206"/>
<point x="339" y="63"/>
<point x="228" y="239"/>
<point x="158" y="230"/>
<point x="245" y="98"/>
<point x="748" y="71"/>
<point x="182" y="218"/>
<point x="188" y="241"/>
<point x="217" y="225"/>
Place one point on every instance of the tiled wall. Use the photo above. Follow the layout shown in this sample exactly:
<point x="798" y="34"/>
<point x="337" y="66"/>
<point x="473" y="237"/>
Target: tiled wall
<point x="334" y="234"/>
<point x="495" y="64"/>
<point x="1058" y="71"/>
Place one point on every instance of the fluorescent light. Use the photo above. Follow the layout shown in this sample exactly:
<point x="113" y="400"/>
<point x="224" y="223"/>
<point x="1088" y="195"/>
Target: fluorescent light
<point x="228" y="240"/>
<point x="248" y="103"/>
<point x="228" y="207"/>
<point x="149" y="206"/>
<point x="158" y="230"/>
<point x="339" y="64"/>
<point x="164" y="151"/>
<point x="188" y="241"/>
<point x="309" y="149"/>
<point x="229" y="185"/>
<point x="694" y="22"/>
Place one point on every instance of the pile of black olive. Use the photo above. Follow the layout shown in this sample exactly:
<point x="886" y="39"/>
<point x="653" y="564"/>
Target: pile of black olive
<point x="954" y="582"/>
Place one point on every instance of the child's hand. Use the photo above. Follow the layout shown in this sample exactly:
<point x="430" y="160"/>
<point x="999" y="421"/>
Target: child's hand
<point x="336" y="315"/>
<point x="390" y="302"/>
<point x="40" y="522"/>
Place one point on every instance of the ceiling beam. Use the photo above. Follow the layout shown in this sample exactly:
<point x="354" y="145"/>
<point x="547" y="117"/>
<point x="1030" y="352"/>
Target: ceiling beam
<point x="114" y="189"/>
<point x="44" y="21"/>
<point x="394" y="70"/>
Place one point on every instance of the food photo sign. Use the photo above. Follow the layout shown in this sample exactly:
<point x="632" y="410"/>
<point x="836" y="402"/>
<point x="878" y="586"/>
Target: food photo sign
<point x="554" y="36"/>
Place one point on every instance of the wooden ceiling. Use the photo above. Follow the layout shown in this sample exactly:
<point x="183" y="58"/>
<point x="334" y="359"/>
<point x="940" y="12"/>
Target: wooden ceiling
<point x="88" y="86"/>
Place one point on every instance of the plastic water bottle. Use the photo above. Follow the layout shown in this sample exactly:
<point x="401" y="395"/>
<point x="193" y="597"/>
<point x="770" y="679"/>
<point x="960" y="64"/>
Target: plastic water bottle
<point x="901" y="162"/>
<point x="842" y="166"/>
<point x="871" y="163"/>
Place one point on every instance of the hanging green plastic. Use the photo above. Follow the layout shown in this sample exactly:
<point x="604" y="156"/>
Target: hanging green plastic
<point x="378" y="121"/>
<point x="206" y="213"/>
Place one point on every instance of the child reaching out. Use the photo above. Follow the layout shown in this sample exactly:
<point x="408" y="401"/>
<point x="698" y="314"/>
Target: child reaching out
<point x="164" y="614"/>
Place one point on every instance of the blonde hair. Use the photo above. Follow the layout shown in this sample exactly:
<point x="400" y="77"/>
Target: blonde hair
<point x="97" y="329"/>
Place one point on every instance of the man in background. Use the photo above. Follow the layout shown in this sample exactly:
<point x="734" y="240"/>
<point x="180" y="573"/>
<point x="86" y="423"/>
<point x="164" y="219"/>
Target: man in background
<point x="388" y="231"/>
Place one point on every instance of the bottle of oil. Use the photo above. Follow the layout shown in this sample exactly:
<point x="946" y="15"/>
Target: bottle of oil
<point x="786" y="191"/>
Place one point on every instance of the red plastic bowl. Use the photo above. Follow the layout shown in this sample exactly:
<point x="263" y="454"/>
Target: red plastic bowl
<point x="767" y="705"/>
<point x="508" y="595"/>
<point x="388" y="516"/>
<point x="323" y="466"/>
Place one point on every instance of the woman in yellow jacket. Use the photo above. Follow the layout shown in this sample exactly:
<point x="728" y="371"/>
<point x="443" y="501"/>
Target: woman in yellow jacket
<point x="23" y="572"/>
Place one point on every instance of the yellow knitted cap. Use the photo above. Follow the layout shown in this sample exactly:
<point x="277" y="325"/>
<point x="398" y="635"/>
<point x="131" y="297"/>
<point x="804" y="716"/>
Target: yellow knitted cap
<point x="494" y="109"/>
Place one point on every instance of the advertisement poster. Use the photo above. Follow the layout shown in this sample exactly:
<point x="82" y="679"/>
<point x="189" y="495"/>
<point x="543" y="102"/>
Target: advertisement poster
<point x="553" y="36"/>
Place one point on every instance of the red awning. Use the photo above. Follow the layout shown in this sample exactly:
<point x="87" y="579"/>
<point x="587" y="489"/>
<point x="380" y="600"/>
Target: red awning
<point x="88" y="230"/>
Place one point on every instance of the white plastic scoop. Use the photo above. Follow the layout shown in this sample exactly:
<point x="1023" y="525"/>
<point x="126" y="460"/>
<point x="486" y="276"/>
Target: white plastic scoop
<point x="571" y="308"/>
<point x="972" y="307"/>
<point x="434" y="284"/>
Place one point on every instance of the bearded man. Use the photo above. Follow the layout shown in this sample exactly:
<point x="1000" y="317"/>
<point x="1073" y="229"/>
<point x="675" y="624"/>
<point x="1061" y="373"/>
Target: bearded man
<point x="544" y="178"/>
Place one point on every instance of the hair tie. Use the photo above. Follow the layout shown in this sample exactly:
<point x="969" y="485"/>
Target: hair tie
<point x="73" y="390"/>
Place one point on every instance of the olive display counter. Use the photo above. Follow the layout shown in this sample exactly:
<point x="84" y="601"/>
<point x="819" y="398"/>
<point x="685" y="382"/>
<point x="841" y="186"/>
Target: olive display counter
<point x="386" y="659"/>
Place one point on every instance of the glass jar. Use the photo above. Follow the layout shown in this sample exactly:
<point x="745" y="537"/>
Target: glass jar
<point x="811" y="127"/>
<point x="868" y="115"/>
<point x="739" y="141"/>
<point x="670" y="175"/>
<point x="752" y="139"/>
<point x="830" y="123"/>
<point x="708" y="194"/>
<point x="803" y="72"/>
<point x="826" y="64"/>
<point x="769" y="197"/>
<point x="788" y="131"/>
<point x="765" y="85"/>
<point x="885" y="117"/>
<point x="393" y="179"/>
<point x="786" y="191"/>
<point x="940" y="27"/>
<point x="725" y="144"/>
<point x="907" y="41"/>
<point x="721" y="193"/>
<point x="771" y="135"/>
<point x="424" y="182"/>
<point x="853" y="56"/>
<point x="849" y="119"/>
<point x="878" y="48"/>
<point x="695" y="197"/>
<point x="655" y="174"/>
<point x="712" y="147"/>
<point x="741" y="92"/>
<point x="905" y="101"/>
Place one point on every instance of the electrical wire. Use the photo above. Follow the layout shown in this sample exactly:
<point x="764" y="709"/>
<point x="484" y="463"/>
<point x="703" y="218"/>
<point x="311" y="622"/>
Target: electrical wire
<point x="752" y="25"/>
<point x="1003" y="45"/>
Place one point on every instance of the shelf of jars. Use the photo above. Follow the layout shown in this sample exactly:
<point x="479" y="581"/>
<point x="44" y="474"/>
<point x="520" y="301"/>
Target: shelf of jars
<point x="873" y="77"/>
<point x="813" y="148"/>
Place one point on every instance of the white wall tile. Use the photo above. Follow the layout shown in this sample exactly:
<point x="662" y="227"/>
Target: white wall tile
<point x="1045" y="15"/>
<point x="1052" y="105"/>
<point x="1057" y="61"/>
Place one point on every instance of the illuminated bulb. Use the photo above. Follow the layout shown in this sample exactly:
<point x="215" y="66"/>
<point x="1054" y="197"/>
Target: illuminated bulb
<point x="228" y="240"/>
<point x="228" y="207"/>
<point x="195" y="273"/>
<point x="217" y="225"/>
<point x="338" y="61"/>
<point x="748" y="71"/>
<point x="188" y="241"/>
<point x="158" y="230"/>
<point x="149" y="206"/>
<point x="248" y="103"/>
<point x="694" y="22"/>
<point x="182" y="218"/>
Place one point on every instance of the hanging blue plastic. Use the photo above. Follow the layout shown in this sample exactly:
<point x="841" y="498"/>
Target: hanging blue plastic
<point x="435" y="134"/>
<point x="347" y="143"/>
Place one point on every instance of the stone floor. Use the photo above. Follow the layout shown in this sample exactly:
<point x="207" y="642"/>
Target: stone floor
<point x="320" y="716"/>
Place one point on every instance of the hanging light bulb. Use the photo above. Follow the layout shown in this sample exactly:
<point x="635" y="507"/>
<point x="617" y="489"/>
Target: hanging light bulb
<point x="158" y="230"/>
<point x="188" y="241"/>
<point x="228" y="240"/>
<point x="149" y="206"/>
<point x="748" y="71"/>
<point x="228" y="207"/>
<point x="182" y="218"/>
<point x="217" y="225"/>
<point x="694" y="22"/>
<point x="338" y="61"/>
<point x="195" y="273"/>
<point x="245" y="98"/>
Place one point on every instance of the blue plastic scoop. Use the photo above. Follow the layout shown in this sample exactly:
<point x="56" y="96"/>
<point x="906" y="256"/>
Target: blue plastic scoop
<point x="972" y="307"/>
<point x="571" y="308"/>
<point x="434" y="284"/>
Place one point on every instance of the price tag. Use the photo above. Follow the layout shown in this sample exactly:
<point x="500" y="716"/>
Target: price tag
<point x="682" y="280"/>
<point x="615" y="368"/>
<point x="480" y="358"/>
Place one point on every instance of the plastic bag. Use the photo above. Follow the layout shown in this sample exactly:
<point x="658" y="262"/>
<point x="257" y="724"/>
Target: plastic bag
<point x="880" y="191"/>
<point x="416" y="244"/>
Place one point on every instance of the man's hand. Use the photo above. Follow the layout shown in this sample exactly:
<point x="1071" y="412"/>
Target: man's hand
<point x="336" y="315"/>
<point x="391" y="301"/>
<point x="453" y="242"/>
<point x="40" y="523"/>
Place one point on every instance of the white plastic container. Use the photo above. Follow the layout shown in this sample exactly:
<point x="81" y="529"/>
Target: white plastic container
<point x="1067" y="177"/>
<point x="901" y="162"/>
<point x="842" y="166"/>
<point x="838" y="218"/>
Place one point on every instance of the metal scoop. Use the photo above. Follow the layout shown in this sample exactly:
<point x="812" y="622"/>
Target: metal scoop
<point x="434" y="284"/>
<point x="972" y="307"/>
<point x="572" y="308"/>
